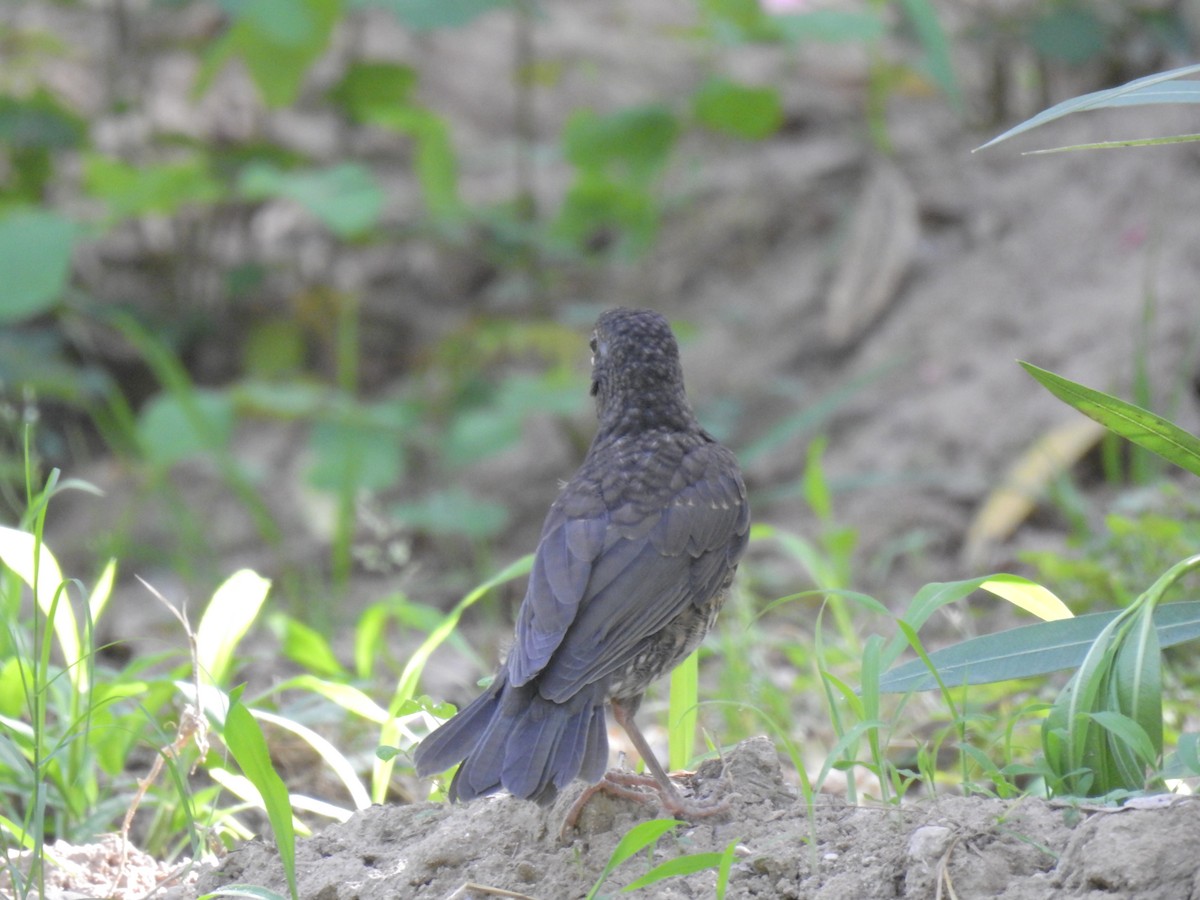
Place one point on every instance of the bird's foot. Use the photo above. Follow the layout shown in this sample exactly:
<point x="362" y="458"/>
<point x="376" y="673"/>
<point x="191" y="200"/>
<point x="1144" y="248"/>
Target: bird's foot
<point x="643" y="789"/>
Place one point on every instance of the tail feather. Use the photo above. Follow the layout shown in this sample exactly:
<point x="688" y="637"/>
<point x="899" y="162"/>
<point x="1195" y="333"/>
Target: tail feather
<point x="514" y="739"/>
<point x="455" y="739"/>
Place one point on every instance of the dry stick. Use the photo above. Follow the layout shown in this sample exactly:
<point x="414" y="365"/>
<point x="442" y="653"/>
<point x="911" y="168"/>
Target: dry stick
<point x="192" y="727"/>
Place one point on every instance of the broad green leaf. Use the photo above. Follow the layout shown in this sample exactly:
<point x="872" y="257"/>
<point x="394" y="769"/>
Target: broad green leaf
<point x="1140" y="90"/>
<point x="229" y="615"/>
<point x="248" y="747"/>
<point x="752" y="113"/>
<point x="1032" y="649"/>
<point x="1028" y="595"/>
<point x="1142" y="427"/>
<point x="43" y="576"/>
<point x="35" y="259"/>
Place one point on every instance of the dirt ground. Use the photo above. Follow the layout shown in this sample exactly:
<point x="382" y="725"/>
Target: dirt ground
<point x="807" y="264"/>
<point x="961" y="847"/>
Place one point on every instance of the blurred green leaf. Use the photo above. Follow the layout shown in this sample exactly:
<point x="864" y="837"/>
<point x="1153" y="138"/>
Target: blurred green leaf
<point x="357" y="450"/>
<point x="634" y="143"/>
<point x="487" y="429"/>
<point x="435" y="163"/>
<point x="938" y="63"/>
<point x="831" y="26"/>
<point x="454" y="511"/>
<point x="346" y="198"/>
<point x="137" y="190"/>
<point x="278" y="41"/>
<point x="428" y="15"/>
<point x="35" y="259"/>
<point x="307" y="647"/>
<point x="1141" y="426"/>
<point x="274" y="347"/>
<point x="1072" y="34"/>
<point x="39" y="121"/>
<point x="167" y="431"/>
<point x="752" y="113"/>
<point x="372" y="88"/>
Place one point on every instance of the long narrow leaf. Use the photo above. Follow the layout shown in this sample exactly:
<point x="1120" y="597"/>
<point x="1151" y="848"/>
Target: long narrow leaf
<point x="249" y="748"/>
<point x="1141" y="426"/>
<point x="1125" y="95"/>
<point x="1032" y="649"/>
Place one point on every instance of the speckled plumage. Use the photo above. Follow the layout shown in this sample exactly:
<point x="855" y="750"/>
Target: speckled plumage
<point x="635" y="560"/>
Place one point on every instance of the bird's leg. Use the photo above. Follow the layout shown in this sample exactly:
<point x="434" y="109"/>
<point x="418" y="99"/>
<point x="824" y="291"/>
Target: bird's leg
<point x="633" y="786"/>
<point x="672" y="801"/>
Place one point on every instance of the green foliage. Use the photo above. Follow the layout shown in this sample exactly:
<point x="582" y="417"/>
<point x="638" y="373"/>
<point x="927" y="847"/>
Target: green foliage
<point x="745" y="112"/>
<point x="35" y="257"/>
<point x="278" y="41"/>
<point x="249" y="748"/>
<point x="346" y="198"/>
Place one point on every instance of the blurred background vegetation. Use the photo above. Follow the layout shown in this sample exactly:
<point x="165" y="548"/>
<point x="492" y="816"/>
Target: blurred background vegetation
<point x="301" y="286"/>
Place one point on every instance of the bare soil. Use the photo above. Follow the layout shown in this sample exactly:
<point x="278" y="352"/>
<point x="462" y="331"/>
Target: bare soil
<point x="966" y="847"/>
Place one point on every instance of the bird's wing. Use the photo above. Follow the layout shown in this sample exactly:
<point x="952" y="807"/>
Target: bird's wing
<point x="601" y="585"/>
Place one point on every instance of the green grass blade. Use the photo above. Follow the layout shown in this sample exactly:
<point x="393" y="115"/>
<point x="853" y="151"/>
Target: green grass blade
<point x="253" y="891"/>
<point x="682" y="712"/>
<point x="1141" y="426"/>
<point x="1140" y="90"/>
<point x="636" y="839"/>
<point x="680" y="865"/>
<point x="1032" y="650"/>
<point x="246" y="743"/>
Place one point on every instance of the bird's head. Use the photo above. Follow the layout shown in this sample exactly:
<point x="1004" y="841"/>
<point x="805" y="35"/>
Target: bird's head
<point x="636" y="376"/>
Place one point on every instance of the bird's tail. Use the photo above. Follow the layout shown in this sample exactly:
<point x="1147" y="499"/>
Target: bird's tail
<point x="513" y="738"/>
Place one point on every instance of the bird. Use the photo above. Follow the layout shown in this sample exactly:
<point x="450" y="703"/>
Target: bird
<point x="635" y="559"/>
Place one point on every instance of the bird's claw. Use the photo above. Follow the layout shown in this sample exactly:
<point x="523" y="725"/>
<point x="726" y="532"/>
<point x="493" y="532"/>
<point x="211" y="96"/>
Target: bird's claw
<point x="642" y="789"/>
